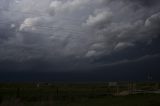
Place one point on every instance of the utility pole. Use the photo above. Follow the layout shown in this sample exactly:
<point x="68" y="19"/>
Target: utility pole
<point x="149" y="77"/>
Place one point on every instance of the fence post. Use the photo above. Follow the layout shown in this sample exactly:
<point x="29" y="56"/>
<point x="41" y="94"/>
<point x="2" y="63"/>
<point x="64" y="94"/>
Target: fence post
<point x="57" y="92"/>
<point x="18" y="93"/>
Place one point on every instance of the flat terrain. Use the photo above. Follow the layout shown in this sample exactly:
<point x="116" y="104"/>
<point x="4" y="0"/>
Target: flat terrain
<point x="100" y="94"/>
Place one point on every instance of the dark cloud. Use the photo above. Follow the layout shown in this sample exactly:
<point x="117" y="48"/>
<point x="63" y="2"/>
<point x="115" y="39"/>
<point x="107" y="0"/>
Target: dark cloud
<point x="67" y="35"/>
<point x="134" y="70"/>
<point x="147" y="3"/>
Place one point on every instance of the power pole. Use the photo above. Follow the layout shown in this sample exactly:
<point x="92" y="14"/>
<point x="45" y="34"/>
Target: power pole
<point x="149" y="77"/>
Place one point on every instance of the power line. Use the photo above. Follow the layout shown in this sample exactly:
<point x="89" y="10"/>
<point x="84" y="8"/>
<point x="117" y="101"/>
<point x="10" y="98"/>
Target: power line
<point x="46" y="27"/>
<point x="66" y="29"/>
<point x="55" y="37"/>
<point x="42" y="26"/>
<point x="39" y="13"/>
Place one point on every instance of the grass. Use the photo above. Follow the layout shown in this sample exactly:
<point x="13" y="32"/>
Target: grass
<point x="73" y="95"/>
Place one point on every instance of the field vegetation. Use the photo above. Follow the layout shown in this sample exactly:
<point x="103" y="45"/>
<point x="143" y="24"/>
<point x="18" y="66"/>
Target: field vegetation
<point x="98" y="94"/>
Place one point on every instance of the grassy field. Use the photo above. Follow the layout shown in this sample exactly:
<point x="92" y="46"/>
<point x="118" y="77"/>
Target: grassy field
<point x="77" y="95"/>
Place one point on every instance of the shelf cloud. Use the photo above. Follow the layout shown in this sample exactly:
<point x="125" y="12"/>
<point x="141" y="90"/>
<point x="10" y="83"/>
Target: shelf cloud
<point x="79" y="30"/>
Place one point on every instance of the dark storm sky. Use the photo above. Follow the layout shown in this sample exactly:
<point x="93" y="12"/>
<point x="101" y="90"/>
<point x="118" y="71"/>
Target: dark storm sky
<point x="105" y="38"/>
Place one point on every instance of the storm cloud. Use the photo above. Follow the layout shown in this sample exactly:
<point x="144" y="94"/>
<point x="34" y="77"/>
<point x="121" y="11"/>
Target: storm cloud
<point x="75" y="32"/>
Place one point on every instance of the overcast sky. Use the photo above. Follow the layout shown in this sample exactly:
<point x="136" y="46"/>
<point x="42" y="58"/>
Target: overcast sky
<point x="78" y="35"/>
